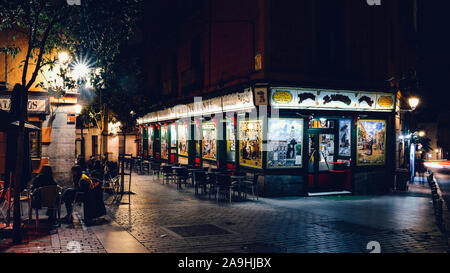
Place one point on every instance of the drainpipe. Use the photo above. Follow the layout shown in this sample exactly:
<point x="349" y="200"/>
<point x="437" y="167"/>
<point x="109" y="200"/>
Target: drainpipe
<point x="6" y="69"/>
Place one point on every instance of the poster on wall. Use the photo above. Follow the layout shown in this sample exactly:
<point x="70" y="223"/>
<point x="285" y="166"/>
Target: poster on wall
<point x="197" y="138"/>
<point x="285" y="140"/>
<point x="231" y="141"/>
<point x="183" y="139"/>
<point x="209" y="141"/>
<point x="150" y="140"/>
<point x="164" y="142"/>
<point x="371" y="138"/>
<point x="345" y="128"/>
<point x="173" y="135"/>
<point x="250" y="143"/>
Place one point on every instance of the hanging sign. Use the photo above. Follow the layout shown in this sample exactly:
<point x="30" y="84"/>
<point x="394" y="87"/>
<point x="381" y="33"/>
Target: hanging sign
<point x="36" y="105"/>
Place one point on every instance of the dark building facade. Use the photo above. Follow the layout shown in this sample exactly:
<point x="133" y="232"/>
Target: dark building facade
<point x="297" y="91"/>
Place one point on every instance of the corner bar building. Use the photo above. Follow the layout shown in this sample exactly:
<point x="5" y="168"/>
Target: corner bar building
<point x="302" y="140"/>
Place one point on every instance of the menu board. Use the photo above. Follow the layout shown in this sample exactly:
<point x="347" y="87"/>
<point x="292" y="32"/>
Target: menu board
<point x="371" y="142"/>
<point x="164" y="142"/>
<point x="209" y="137"/>
<point x="345" y="127"/>
<point x="250" y="143"/>
<point x="151" y="133"/>
<point x="183" y="133"/>
<point x="285" y="142"/>
<point x="231" y="140"/>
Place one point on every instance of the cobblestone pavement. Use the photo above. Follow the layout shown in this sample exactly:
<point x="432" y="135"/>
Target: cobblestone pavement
<point x="165" y="219"/>
<point x="69" y="238"/>
<point x="74" y="238"/>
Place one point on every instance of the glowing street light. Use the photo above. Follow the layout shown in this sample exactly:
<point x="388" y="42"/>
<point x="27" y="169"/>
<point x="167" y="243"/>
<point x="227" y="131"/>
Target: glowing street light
<point x="63" y="58"/>
<point x="413" y="102"/>
<point x="80" y="71"/>
<point x="422" y="133"/>
<point x="78" y="109"/>
<point x="81" y="68"/>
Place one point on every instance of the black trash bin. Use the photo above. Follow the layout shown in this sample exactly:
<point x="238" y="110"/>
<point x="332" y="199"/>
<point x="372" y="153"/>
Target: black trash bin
<point x="402" y="177"/>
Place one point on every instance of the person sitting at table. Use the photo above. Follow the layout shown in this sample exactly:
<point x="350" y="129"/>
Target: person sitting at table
<point x="90" y="193"/>
<point x="98" y="170"/>
<point x="43" y="179"/>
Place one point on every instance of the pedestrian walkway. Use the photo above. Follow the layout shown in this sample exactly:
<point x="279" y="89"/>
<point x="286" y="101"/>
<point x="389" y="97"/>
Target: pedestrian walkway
<point x="165" y="219"/>
<point x="74" y="238"/>
<point x="160" y="218"/>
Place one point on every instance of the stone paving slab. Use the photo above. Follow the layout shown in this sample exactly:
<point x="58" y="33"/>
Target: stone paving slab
<point x="399" y="222"/>
<point x="73" y="238"/>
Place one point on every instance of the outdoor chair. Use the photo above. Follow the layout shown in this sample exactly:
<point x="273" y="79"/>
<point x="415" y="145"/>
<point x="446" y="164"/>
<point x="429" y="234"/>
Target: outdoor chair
<point x="145" y="166"/>
<point x="253" y="185"/>
<point x="155" y="168"/>
<point x="225" y="186"/>
<point x="212" y="183"/>
<point x="167" y="174"/>
<point x="200" y="181"/>
<point x="136" y="165"/>
<point x="50" y="198"/>
<point x="182" y="175"/>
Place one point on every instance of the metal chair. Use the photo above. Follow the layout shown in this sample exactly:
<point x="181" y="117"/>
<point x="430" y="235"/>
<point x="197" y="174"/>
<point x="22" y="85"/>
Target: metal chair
<point x="253" y="184"/>
<point x="155" y="168"/>
<point x="212" y="183"/>
<point x="200" y="181"/>
<point x="224" y="186"/>
<point x="145" y="166"/>
<point x="50" y="198"/>
<point x="167" y="174"/>
<point x="182" y="175"/>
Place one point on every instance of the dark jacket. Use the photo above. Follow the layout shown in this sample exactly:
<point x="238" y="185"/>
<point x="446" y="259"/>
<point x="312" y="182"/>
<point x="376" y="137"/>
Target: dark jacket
<point x="92" y="198"/>
<point x="41" y="180"/>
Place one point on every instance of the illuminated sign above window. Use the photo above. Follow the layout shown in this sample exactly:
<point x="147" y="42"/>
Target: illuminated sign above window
<point x="299" y="98"/>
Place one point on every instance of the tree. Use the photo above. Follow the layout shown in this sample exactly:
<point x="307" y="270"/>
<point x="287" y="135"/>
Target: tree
<point x="98" y="27"/>
<point x="123" y="80"/>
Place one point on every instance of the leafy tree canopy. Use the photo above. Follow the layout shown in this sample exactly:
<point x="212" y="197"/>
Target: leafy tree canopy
<point x="94" y="28"/>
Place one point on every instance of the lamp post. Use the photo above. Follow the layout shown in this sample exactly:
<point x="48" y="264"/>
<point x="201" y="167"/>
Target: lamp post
<point x="406" y="138"/>
<point x="78" y="109"/>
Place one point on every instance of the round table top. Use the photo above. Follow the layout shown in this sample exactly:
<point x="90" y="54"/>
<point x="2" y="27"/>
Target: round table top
<point x="238" y="177"/>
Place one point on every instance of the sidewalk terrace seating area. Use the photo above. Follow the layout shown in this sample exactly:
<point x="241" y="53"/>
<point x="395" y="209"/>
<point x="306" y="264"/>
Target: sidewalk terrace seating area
<point x="216" y="184"/>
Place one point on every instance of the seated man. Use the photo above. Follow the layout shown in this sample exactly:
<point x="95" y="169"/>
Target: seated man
<point x="43" y="179"/>
<point x="89" y="192"/>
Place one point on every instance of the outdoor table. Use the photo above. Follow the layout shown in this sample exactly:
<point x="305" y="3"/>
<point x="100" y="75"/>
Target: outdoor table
<point x="193" y="171"/>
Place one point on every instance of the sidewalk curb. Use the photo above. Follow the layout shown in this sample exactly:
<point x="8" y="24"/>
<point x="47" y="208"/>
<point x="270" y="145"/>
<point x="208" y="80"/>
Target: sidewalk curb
<point x="115" y="239"/>
<point x="445" y="215"/>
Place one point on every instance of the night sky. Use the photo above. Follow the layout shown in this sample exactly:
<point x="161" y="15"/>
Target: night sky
<point x="434" y="58"/>
<point x="163" y="18"/>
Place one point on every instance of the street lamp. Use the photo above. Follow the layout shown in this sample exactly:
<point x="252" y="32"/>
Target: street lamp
<point x="78" y="109"/>
<point x="63" y="58"/>
<point x="422" y="133"/>
<point x="80" y="71"/>
<point x="413" y="103"/>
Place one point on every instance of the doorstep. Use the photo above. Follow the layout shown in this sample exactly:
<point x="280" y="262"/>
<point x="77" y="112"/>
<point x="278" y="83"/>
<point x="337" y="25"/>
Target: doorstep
<point x="331" y="193"/>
